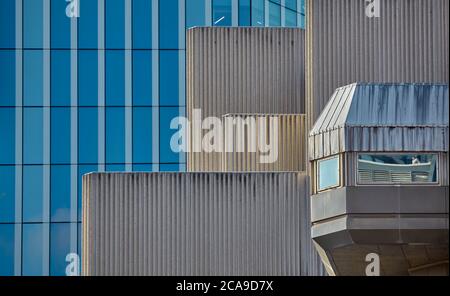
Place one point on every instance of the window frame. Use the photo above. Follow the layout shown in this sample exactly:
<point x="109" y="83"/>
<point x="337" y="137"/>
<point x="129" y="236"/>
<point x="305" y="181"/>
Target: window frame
<point x="317" y="173"/>
<point x="358" y="183"/>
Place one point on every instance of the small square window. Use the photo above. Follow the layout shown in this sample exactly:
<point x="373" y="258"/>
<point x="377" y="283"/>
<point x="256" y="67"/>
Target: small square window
<point x="328" y="173"/>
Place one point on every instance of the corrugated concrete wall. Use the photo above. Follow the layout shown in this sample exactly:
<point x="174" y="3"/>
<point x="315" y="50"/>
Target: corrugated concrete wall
<point x="243" y="70"/>
<point x="193" y="224"/>
<point x="407" y="43"/>
<point x="289" y="146"/>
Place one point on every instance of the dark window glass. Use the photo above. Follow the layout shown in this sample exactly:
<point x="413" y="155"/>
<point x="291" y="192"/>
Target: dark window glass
<point x="142" y="135"/>
<point x="35" y="236"/>
<point x="291" y="18"/>
<point x="195" y="13"/>
<point x="7" y="134"/>
<point x="33" y="195"/>
<point x="292" y="4"/>
<point x="6" y="249"/>
<point x="171" y="167"/>
<point x="60" y="135"/>
<point x="142" y="78"/>
<point x="142" y="168"/>
<point x="115" y="78"/>
<point x="88" y="135"/>
<point x="33" y="25"/>
<point x="60" y="193"/>
<point x="7" y="74"/>
<point x="60" y="77"/>
<point x="59" y="248"/>
<point x="33" y="83"/>
<point x="244" y="13"/>
<point x="87" y="78"/>
<point x="60" y="25"/>
<point x="7" y="194"/>
<point x="258" y="13"/>
<point x="33" y="124"/>
<point x="115" y="23"/>
<point x="168" y="24"/>
<point x="397" y="168"/>
<point x="115" y="135"/>
<point x="142" y="24"/>
<point x="168" y="78"/>
<point x="7" y="24"/>
<point x="87" y="24"/>
<point x="222" y="13"/>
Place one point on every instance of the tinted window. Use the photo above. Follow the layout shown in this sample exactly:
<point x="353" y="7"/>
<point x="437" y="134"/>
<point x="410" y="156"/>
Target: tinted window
<point x="328" y="173"/>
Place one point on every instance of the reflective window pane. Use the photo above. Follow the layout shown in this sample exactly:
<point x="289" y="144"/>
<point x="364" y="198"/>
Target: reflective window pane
<point x="165" y="151"/>
<point x="168" y="25"/>
<point x="60" y="193"/>
<point x="88" y="135"/>
<point x="87" y="24"/>
<point x="244" y="13"/>
<point x="60" y="25"/>
<point x="7" y="194"/>
<point x="115" y="23"/>
<point x="7" y="24"/>
<point x="33" y="25"/>
<point x="195" y="13"/>
<point x="328" y="173"/>
<point x="274" y="15"/>
<point x="33" y="83"/>
<point x="7" y="74"/>
<point x="115" y="135"/>
<point x="142" y="135"/>
<point x="115" y="78"/>
<point x="397" y="168"/>
<point x="222" y="13"/>
<point x="34" y="238"/>
<point x="33" y="195"/>
<point x="33" y="124"/>
<point x="258" y="13"/>
<point x="60" y="77"/>
<point x="6" y="249"/>
<point x="291" y="18"/>
<point x="87" y="78"/>
<point x="142" y="78"/>
<point x="168" y="78"/>
<point x="7" y="134"/>
<point x="60" y="135"/>
<point x="142" y="24"/>
<point x="59" y="248"/>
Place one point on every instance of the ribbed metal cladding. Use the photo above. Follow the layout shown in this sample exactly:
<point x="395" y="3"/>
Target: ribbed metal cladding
<point x="243" y="70"/>
<point x="290" y="144"/>
<point x="193" y="224"/>
<point x="409" y="42"/>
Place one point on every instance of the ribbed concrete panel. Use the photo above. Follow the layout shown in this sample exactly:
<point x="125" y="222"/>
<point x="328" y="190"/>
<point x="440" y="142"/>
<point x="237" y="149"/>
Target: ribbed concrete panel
<point x="383" y="117"/>
<point x="195" y="224"/>
<point x="407" y="43"/>
<point x="289" y="149"/>
<point x="243" y="70"/>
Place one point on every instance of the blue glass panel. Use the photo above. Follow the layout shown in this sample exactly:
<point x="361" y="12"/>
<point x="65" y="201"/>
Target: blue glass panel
<point x="33" y="135"/>
<point x="7" y="23"/>
<point x="7" y="194"/>
<point x="60" y="135"/>
<point x="60" y="77"/>
<point x="115" y="23"/>
<point x="6" y="249"/>
<point x="115" y="78"/>
<point x="244" y="13"/>
<point x="292" y="4"/>
<point x="222" y="12"/>
<point x="168" y="24"/>
<point x="142" y="168"/>
<point x="33" y="251"/>
<point x="33" y="26"/>
<point x="142" y="24"/>
<point x="302" y="7"/>
<point x="291" y="18"/>
<point x="60" y="193"/>
<point x="8" y="77"/>
<point x="274" y="15"/>
<point x="88" y="135"/>
<point x="168" y="78"/>
<point x="257" y="13"/>
<point x="7" y="132"/>
<point x="142" y="135"/>
<point x="79" y="232"/>
<point x="173" y="167"/>
<point x="195" y="13"/>
<point x="33" y="82"/>
<point x="329" y="173"/>
<point x="87" y="78"/>
<point x="82" y="170"/>
<point x="59" y="248"/>
<point x="60" y="25"/>
<point x="115" y="167"/>
<point x="33" y="202"/>
<point x="115" y="135"/>
<point x="142" y="78"/>
<point x="166" y="153"/>
<point x="87" y="24"/>
<point x="302" y="22"/>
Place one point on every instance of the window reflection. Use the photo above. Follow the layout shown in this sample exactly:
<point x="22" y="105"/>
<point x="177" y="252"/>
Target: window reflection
<point x="328" y="173"/>
<point x="397" y="168"/>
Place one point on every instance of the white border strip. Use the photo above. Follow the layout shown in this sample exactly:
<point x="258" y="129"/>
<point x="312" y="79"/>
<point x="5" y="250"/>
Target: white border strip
<point x="235" y="13"/>
<point x="266" y="13"/>
<point x="208" y="12"/>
